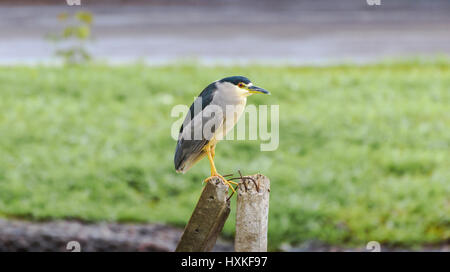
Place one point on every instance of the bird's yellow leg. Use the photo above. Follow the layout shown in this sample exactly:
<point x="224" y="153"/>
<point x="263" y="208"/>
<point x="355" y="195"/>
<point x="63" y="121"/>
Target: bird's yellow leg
<point x="209" y="152"/>
<point x="213" y="154"/>
<point x="213" y="151"/>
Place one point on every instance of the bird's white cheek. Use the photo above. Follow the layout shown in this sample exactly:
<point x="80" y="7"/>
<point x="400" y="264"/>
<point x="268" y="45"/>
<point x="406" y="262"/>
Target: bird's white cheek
<point x="242" y="92"/>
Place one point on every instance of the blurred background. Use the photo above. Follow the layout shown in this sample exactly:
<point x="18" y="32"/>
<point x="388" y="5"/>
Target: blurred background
<point x="86" y="94"/>
<point x="299" y="32"/>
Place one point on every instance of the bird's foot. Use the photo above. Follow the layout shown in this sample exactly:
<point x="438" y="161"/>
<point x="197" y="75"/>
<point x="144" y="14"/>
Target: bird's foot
<point x="227" y="182"/>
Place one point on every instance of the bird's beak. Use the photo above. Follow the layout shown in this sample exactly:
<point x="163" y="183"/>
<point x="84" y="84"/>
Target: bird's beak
<point x="255" y="89"/>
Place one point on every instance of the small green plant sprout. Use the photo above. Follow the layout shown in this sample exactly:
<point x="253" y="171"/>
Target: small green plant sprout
<point x="72" y="41"/>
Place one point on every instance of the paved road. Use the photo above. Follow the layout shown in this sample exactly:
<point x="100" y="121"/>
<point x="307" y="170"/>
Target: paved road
<point x="300" y="32"/>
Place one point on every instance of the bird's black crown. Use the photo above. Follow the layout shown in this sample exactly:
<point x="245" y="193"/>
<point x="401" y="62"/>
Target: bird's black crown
<point x="236" y="80"/>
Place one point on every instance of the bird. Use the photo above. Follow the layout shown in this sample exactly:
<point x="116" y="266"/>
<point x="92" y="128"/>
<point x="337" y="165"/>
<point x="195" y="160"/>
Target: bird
<point x="211" y="116"/>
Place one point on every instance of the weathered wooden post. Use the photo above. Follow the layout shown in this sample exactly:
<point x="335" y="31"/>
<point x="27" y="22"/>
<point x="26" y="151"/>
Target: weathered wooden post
<point x="207" y="220"/>
<point x="252" y="212"/>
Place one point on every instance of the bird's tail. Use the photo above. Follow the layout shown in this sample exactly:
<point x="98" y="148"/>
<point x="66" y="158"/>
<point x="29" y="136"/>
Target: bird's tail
<point x="179" y="160"/>
<point x="183" y="163"/>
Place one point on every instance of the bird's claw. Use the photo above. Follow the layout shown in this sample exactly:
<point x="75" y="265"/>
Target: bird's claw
<point x="227" y="182"/>
<point x="230" y="181"/>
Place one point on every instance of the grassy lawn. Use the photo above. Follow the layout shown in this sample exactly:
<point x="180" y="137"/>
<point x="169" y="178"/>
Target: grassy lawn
<point x="364" y="151"/>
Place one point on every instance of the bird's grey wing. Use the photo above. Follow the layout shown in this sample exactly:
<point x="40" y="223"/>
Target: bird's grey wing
<point x="189" y="146"/>
<point x="204" y="99"/>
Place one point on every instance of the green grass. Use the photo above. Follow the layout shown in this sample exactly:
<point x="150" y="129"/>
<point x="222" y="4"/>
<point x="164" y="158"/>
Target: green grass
<point x="364" y="151"/>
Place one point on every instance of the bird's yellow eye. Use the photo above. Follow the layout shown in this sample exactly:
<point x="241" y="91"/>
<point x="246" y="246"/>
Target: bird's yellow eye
<point x="240" y="85"/>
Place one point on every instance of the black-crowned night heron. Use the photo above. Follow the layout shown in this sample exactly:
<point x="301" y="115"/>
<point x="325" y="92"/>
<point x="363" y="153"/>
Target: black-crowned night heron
<point x="208" y="121"/>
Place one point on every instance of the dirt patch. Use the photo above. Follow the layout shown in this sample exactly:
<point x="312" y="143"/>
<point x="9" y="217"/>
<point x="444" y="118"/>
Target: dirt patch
<point x="18" y="235"/>
<point x="64" y="236"/>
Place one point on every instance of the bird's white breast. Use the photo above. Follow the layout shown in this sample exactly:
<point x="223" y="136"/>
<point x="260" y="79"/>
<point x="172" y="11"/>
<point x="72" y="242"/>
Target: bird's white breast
<point x="232" y="100"/>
